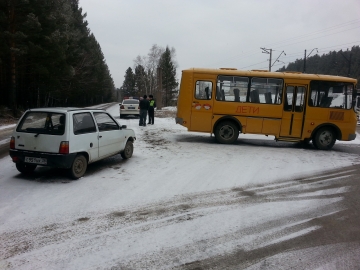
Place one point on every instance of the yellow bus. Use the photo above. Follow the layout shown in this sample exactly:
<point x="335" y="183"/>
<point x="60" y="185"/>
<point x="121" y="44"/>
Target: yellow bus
<point x="291" y="106"/>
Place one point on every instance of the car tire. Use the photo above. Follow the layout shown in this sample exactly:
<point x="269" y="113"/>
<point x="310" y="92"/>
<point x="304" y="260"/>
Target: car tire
<point x="324" y="138"/>
<point x="78" y="167"/>
<point x="226" y="132"/>
<point x="25" y="168"/>
<point x="128" y="150"/>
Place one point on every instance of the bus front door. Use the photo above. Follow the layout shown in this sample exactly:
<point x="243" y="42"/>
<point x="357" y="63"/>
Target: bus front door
<point x="202" y="106"/>
<point x="293" y="112"/>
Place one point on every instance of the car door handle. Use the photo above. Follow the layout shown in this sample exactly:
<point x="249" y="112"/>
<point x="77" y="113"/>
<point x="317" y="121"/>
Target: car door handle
<point x="100" y="136"/>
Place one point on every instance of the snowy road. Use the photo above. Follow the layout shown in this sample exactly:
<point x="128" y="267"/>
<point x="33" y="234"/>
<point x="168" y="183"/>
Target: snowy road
<point x="186" y="202"/>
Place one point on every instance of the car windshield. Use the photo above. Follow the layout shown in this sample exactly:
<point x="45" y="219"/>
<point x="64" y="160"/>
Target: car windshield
<point x="43" y="123"/>
<point x="130" y="101"/>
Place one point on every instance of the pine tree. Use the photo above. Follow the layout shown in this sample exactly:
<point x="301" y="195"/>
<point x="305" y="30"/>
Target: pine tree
<point x="168" y="77"/>
<point x="128" y="87"/>
<point x="141" y="80"/>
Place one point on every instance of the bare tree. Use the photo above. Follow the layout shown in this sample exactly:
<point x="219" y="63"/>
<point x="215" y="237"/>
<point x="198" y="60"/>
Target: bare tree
<point x="150" y="62"/>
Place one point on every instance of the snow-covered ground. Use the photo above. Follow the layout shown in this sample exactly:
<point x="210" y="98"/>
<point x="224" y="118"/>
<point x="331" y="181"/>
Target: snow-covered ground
<point x="181" y="198"/>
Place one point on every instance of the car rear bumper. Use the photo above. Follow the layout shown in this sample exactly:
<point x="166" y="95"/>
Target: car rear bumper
<point x="53" y="160"/>
<point x="129" y="112"/>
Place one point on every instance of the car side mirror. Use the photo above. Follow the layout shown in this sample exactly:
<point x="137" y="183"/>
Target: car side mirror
<point x="123" y="126"/>
<point x="119" y="104"/>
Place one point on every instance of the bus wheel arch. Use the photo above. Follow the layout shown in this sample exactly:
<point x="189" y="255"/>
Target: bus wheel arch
<point x="324" y="136"/>
<point x="227" y="130"/>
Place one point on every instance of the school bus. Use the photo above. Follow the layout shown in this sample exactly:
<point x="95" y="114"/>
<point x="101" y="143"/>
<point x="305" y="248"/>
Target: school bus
<point x="292" y="106"/>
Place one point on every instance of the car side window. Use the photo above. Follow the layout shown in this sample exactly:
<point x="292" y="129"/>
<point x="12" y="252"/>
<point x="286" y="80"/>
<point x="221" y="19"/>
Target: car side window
<point x="83" y="123"/>
<point x="105" y="122"/>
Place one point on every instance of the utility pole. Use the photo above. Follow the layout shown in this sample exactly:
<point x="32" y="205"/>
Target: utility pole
<point x="349" y="62"/>
<point x="159" y="90"/>
<point x="308" y="56"/>
<point x="269" y="51"/>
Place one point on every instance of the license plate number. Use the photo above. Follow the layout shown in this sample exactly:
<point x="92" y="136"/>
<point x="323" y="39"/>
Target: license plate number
<point x="35" y="160"/>
<point x="131" y="108"/>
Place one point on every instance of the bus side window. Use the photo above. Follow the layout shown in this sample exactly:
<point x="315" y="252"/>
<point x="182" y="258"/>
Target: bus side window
<point x="254" y="96"/>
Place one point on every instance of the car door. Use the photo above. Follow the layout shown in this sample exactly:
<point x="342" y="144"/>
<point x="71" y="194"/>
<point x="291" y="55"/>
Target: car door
<point x="111" y="137"/>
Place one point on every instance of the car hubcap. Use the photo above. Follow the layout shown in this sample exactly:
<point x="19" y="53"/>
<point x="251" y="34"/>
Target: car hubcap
<point x="78" y="166"/>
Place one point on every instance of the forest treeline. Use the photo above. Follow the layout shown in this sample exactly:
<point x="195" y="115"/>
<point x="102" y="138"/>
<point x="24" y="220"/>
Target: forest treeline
<point x="339" y="63"/>
<point x="49" y="57"/>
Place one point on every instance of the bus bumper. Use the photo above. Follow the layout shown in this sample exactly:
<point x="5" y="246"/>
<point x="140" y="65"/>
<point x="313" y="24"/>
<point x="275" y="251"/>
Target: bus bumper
<point x="179" y="120"/>
<point x="351" y="137"/>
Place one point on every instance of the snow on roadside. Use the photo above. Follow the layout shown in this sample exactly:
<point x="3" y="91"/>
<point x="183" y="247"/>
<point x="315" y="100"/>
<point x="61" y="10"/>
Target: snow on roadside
<point x="171" y="203"/>
<point x="7" y="126"/>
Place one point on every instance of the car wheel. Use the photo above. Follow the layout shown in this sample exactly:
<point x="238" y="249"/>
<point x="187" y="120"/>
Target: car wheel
<point x="226" y="132"/>
<point x="25" y="168"/>
<point x="78" y="167"/>
<point x="324" y="138"/>
<point x="128" y="150"/>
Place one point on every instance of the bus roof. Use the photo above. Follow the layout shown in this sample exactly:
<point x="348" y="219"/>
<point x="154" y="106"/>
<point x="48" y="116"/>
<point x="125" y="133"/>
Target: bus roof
<point x="260" y="73"/>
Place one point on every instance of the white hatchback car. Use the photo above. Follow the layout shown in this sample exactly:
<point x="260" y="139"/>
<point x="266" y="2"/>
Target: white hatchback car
<point x="129" y="107"/>
<point x="68" y="138"/>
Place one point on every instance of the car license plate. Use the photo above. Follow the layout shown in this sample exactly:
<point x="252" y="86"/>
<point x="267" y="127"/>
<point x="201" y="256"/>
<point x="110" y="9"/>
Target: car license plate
<point x="131" y="108"/>
<point x="42" y="161"/>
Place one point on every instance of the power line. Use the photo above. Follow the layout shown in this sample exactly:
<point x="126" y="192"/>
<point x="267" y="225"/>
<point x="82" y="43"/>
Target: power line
<point x="319" y="31"/>
<point x="298" y="37"/>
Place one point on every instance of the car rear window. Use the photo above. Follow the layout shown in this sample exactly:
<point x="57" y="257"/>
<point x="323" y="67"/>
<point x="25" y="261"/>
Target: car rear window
<point x="130" y="101"/>
<point x="43" y="123"/>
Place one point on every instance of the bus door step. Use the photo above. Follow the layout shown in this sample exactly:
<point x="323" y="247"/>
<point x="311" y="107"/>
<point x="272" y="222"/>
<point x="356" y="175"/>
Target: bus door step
<point x="288" y="139"/>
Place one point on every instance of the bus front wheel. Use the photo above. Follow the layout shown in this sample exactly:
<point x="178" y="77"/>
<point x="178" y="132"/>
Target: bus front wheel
<point x="226" y="132"/>
<point x="324" y="138"/>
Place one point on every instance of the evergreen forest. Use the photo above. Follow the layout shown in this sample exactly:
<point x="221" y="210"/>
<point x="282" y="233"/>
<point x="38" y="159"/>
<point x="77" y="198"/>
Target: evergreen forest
<point x="339" y="63"/>
<point x="49" y="57"/>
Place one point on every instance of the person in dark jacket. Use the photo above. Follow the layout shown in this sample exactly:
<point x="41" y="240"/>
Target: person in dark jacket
<point x="151" y="110"/>
<point x="144" y="107"/>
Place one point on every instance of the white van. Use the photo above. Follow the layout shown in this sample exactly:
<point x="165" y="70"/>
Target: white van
<point x="69" y="138"/>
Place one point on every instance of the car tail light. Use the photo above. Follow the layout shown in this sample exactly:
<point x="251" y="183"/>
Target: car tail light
<point x="64" y="147"/>
<point x="12" y="143"/>
<point x="122" y="107"/>
<point x="138" y="107"/>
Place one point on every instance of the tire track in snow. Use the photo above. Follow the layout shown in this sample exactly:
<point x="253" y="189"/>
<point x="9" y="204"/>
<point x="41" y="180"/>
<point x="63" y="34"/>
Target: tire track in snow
<point x="84" y="235"/>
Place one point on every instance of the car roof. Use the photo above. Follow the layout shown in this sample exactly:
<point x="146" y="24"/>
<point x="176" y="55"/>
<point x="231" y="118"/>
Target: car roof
<point x="63" y="109"/>
<point x="130" y="99"/>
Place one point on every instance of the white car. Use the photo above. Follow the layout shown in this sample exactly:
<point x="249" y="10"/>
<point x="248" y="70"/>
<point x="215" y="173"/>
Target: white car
<point x="129" y="107"/>
<point x="69" y="138"/>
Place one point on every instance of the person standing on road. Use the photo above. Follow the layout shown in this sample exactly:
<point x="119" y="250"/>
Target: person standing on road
<point x="151" y="110"/>
<point x="144" y="107"/>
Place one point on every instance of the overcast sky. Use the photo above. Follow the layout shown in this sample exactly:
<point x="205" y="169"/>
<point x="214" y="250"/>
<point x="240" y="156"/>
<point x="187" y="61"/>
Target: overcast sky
<point x="226" y="33"/>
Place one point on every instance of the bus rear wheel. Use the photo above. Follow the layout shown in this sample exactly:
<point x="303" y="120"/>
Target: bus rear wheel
<point x="226" y="132"/>
<point x="324" y="138"/>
